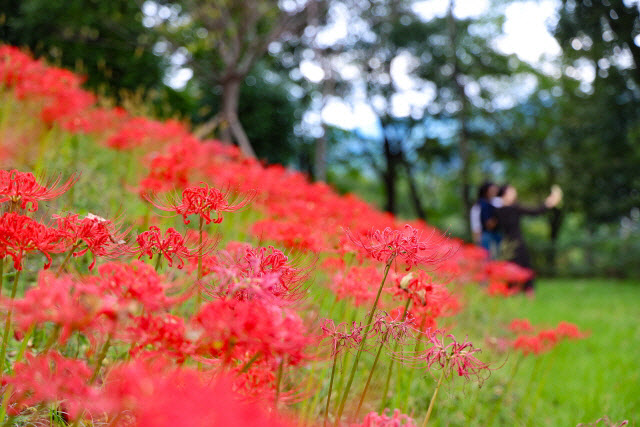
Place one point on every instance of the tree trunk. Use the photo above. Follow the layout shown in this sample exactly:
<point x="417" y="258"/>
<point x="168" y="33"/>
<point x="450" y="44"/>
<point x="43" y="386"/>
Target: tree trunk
<point x="389" y="176"/>
<point x="232" y="128"/>
<point x="463" y="137"/>
<point x="415" y="194"/>
<point x="555" y="222"/>
<point x="320" y="157"/>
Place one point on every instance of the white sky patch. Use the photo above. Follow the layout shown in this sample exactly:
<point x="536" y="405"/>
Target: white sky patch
<point x="312" y="71"/>
<point x="179" y="79"/>
<point x="463" y="9"/>
<point x="526" y="32"/>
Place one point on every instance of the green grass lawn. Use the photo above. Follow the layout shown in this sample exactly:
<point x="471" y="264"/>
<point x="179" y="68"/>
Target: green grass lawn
<point x="578" y="381"/>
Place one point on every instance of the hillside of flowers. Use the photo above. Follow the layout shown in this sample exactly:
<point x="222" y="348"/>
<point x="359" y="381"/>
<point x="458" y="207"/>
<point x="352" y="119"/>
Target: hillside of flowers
<point x="150" y="278"/>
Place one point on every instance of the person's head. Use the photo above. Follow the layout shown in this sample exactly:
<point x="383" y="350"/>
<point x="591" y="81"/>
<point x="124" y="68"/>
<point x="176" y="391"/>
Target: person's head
<point x="509" y="194"/>
<point x="484" y="189"/>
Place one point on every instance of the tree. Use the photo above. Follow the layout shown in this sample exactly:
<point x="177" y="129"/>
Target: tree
<point x="106" y="40"/>
<point x="225" y="39"/>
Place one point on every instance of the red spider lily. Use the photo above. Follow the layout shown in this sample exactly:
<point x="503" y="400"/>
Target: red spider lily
<point x="135" y="283"/>
<point x="395" y="326"/>
<point x="157" y="396"/>
<point x="569" y="330"/>
<point x="520" y="325"/>
<point x="230" y="328"/>
<point x="359" y="284"/>
<point x="292" y="235"/>
<point x="501" y="288"/>
<point x="245" y="272"/>
<point x="529" y="344"/>
<point x="406" y="245"/>
<point x="430" y="300"/>
<point x="341" y="337"/>
<point x="172" y="245"/>
<point x="21" y="188"/>
<point x="69" y="304"/>
<point x="20" y="234"/>
<point x="99" y="236"/>
<point x="202" y="201"/>
<point x="398" y="419"/>
<point x="454" y="356"/>
<point x="509" y="272"/>
<point x="164" y="334"/>
<point x="52" y="378"/>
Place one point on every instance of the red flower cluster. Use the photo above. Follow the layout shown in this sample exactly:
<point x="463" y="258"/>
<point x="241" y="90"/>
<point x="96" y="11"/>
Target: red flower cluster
<point x="202" y="201"/>
<point x="359" y="284"/>
<point x="545" y="339"/>
<point x="172" y="245"/>
<point x="20" y="234"/>
<point x="341" y="337"/>
<point x="21" y="188"/>
<point x="398" y="419"/>
<point x="406" y="244"/>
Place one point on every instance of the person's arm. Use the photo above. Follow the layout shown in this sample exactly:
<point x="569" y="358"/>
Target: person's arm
<point x="476" y="225"/>
<point x="550" y="202"/>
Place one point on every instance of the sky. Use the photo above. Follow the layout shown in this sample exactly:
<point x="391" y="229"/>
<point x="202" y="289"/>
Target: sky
<point x="526" y="34"/>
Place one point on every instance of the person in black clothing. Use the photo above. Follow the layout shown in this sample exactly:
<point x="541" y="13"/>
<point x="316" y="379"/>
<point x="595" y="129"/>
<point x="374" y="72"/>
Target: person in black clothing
<point x="509" y="215"/>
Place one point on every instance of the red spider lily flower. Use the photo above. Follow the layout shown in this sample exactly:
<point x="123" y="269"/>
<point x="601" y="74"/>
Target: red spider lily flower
<point x="509" y="272"/>
<point x="398" y="419"/>
<point x="202" y="201"/>
<point x="531" y="344"/>
<point x="430" y="300"/>
<point x="341" y="337"/>
<point x="244" y="272"/>
<point x="569" y="330"/>
<point x="360" y="284"/>
<point x="395" y="326"/>
<point x="69" y="304"/>
<point x="520" y="325"/>
<point x="454" y="356"/>
<point x="20" y="234"/>
<point x="164" y="334"/>
<point x="156" y="396"/>
<point x="100" y="236"/>
<point x="135" y="283"/>
<point x="172" y="245"/>
<point x="52" y="378"/>
<point x="21" y="188"/>
<point x="230" y="328"/>
<point x="406" y="245"/>
<point x="501" y="288"/>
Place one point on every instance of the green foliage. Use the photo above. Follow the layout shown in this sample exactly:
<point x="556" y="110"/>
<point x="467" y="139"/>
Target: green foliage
<point x="105" y="40"/>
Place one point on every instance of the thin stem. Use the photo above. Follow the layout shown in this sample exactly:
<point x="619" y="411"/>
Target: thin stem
<point x="67" y="258"/>
<point x="100" y="359"/>
<point x="354" y="368"/>
<point x="25" y="342"/>
<point x="1" y="274"/>
<point x="199" y="292"/>
<point x="278" y="381"/>
<point x="373" y="368"/>
<point x="250" y="362"/>
<point x="433" y="398"/>
<point x="7" y="325"/>
<point x="333" y="371"/>
<point x="390" y="370"/>
<point x="158" y="262"/>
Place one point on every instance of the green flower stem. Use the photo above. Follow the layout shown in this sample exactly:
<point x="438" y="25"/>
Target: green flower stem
<point x="354" y="368"/>
<point x="247" y="365"/>
<point x="68" y="257"/>
<point x="409" y="379"/>
<point x="100" y="359"/>
<point x="1" y="274"/>
<point x="158" y="262"/>
<point x="333" y="371"/>
<point x="199" y="292"/>
<point x="543" y="381"/>
<point x="383" y="402"/>
<point x="278" y="382"/>
<point x="534" y="374"/>
<point x="373" y="368"/>
<point x="7" y="325"/>
<point x="435" y="394"/>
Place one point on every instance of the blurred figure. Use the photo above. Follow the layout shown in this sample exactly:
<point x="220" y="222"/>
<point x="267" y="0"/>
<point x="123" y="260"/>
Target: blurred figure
<point x="483" y="218"/>
<point x="508" y="217"/>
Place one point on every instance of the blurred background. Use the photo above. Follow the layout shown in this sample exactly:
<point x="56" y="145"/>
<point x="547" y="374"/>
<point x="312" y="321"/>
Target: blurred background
<point x="410" y="104"/>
